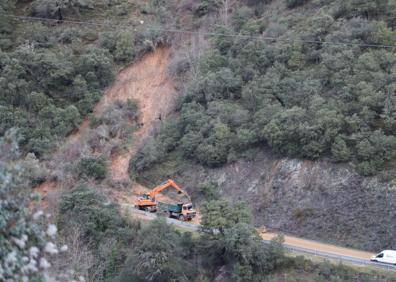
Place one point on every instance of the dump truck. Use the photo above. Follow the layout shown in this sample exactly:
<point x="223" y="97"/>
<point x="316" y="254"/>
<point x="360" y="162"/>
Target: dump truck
<point x="180" y="210"/>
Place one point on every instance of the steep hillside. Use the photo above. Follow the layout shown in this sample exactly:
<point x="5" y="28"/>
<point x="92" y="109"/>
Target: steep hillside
<point x="276" y="113"/>
<point x="54" y="71"/>
<point x="290" y="110"/>
<point x="317" y="200"/>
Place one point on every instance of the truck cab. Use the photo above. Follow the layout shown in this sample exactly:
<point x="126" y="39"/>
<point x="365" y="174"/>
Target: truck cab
<point x="188" y="212"/>
<point x="386" y="256"/>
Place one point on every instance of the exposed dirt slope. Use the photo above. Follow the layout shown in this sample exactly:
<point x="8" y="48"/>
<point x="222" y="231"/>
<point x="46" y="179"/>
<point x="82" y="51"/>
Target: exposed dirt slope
<point x="146" y="82"/>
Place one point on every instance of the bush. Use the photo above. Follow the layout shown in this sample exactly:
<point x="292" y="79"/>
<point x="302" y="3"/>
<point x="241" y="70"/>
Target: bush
<point x="92" y="167"/>
<point x="90" y="211"/>
<point x="210" y="191"/>
<point x="304" y="100"/>
<point x="124" y="47"/>
<point x="96" y="65"/>
<point x="295" y="3"/>
<point x="69" y="36"/>
<point x="100" y="227"/>
<point x="154" y="259"/>
<point x="148" y="154"/>
<point x="340" y="150"/>
<point x="229" y="240"/>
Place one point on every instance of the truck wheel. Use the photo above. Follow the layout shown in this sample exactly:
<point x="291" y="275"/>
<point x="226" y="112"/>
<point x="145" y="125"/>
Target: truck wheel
<point x="181" y="217"/>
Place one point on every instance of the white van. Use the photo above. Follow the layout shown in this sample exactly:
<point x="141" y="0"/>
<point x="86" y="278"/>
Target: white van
<point x="387" y="256"/>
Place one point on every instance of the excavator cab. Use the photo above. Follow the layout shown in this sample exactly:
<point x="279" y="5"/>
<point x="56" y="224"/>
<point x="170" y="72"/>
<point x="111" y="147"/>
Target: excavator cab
<point x="146" y="203"/>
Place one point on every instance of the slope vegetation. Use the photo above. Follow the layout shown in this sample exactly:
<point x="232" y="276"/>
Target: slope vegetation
<point x="292" y="110"/>
<point x="145" y="82"/>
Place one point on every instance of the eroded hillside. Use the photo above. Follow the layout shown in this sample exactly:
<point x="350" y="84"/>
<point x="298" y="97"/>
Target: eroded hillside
<point x="147" y="83"/>
<point x="317" y="200"/>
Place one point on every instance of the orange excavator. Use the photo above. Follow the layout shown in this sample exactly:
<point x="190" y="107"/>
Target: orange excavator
<point x="182" y="211"/>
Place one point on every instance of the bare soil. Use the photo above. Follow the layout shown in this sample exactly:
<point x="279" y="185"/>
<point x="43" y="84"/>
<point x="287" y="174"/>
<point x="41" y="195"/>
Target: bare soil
<point x="148" y="84"/>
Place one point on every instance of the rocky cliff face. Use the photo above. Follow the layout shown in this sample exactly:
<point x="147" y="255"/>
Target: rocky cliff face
<point x="317" y="200"/>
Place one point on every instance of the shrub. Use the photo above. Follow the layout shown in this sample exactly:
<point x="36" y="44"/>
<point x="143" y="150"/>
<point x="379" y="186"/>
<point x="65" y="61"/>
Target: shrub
<point x="295" y="3"/>
<point x="90" y="220"/>
<point x="96" y="65"/>
<point x="92" y="167"/>
<point x="305" y="100"/>
<point x="210" y="191"/>
<point x="148" y="154"/>
<point x="154" y="259"/>
<point x="235" y="243"/>
<point x="69" y="35"/>
<point x="124" y="48"/>
<point x="92" y="212"/>
<point x="340" y="150"/>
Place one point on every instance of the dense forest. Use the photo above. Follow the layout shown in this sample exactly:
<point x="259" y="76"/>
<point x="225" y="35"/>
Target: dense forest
<point x="318" y="87"/>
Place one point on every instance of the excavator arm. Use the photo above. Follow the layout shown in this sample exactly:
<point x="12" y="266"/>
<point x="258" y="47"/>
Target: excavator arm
<point x="163" y="186"/>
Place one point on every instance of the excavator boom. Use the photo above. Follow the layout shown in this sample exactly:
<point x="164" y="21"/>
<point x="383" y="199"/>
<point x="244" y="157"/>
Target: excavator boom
<point x="163" y="186"/>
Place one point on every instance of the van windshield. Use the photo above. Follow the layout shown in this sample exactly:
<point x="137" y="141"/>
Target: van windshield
<point x="380" y="255"/>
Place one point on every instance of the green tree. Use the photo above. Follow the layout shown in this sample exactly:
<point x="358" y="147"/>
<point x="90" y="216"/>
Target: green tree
<point x="124" y="48"/>
<point x="340" y="150"/>
<point x="229" y="239"/>
<point x="96" y="65"/>
<point x="190" y="142"/>
<point x="84" y="207"/>
<point x="156" y="256"/>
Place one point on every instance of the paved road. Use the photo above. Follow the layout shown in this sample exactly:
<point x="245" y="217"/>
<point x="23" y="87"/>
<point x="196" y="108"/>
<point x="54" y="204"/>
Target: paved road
<point x="295" y="248"/>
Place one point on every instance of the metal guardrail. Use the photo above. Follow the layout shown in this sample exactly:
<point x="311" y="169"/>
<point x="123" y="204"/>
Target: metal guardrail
<point x="290" y="248"/>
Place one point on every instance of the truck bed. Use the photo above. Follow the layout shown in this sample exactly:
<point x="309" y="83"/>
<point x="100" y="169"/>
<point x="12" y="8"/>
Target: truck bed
<point x="169" y="207"/>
